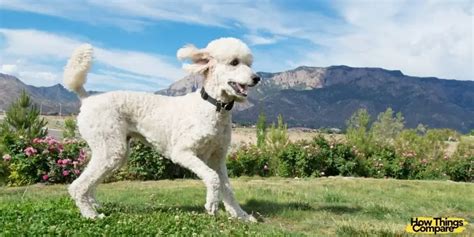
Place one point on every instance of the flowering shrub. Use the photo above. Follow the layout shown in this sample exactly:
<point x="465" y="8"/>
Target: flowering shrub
<point x="301" y="159"/>
<point x="249" y="160"/>
<point x="460" y="166"/>
<point x="44" y="160"/>
<point x="145" y="163"/>
<point x="413" y="156"/>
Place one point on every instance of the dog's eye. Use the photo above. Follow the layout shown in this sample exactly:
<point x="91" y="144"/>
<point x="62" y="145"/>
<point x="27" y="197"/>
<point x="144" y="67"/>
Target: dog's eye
<point x="234" y="62"/>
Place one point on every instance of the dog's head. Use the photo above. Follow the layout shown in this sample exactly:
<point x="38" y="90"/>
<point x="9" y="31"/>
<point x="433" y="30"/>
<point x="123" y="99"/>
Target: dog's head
<point x="226" y="66"/>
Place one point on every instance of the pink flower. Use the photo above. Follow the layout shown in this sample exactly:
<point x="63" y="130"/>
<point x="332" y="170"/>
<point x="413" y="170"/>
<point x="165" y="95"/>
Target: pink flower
<point x="77" y="172"/>
<point x="60" y="162"/>
<point x="82" y="155"/>
<point x="60" y="147"/>
<point x="75" y="163"/>
<point x="66" y="161"/>
<point x="51" y="141"/>
<point x="29" y="151"/>
<point x="45" y="177"/>
<point x="7" y="157"/>
<point x="65" y="173"/>
<point x="37" y="140"/>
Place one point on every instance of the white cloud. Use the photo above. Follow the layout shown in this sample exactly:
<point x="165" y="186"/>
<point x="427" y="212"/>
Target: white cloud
<point x="260" y="40"/>
<point x="433" y="38"/>
<point x="10" y="69"/>
<point x="424" y="38"/>
<point x="43" y="55"/>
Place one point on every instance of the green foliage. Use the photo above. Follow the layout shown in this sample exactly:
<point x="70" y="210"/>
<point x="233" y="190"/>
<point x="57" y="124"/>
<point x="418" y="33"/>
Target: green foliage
<point x="471" y="133"/>
<point x="44" y="160"/>
<point x="248" y="160"/>
<point x="358" y="134"/>
<point x="382" y="150"/>
<point x="22" y="120"/>
<point x="69" y="128"/>
<point x="387" y="127"/>
<point x="301" y="159"/>
<point x="144" y="163"/>
<point x="277" y="137"/>
<point x="261" y="129"/>
<point x="460" y="166"/>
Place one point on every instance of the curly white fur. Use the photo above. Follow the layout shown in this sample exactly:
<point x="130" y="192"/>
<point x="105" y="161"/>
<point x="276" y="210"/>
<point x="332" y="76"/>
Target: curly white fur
<point x="77" y="68"/>
<point x="186" y="129"/>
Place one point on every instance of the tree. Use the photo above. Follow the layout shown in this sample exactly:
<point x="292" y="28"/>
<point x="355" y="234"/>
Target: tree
<point x="357" y="133"/>
<point x="261" y="129"/>
<point x="22" y="119"/>
<point x="387" y="127"/>
<point x="277" y="137"/>
<point x="69" y="128"/>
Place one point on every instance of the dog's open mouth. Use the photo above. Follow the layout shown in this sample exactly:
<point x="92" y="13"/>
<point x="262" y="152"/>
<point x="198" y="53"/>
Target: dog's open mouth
<point x="240" y="89"/>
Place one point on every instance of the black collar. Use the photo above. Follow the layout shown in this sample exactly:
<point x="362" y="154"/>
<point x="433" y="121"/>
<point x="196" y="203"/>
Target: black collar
<point x="219" y="104"/>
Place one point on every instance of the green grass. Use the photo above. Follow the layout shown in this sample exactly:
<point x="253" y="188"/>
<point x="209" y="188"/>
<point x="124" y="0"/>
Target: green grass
<point x="289" y="207"/>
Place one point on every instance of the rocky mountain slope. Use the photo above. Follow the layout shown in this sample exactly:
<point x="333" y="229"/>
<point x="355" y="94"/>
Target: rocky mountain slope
<point x="312" y="97"/>
<point x="51" y="100"/>
<point x="326" y="97"/>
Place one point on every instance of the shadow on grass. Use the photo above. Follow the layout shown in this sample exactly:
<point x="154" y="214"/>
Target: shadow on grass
<point x="339" y="209"/>
<point x="109" y="208"/>
<point x="269" y="208"/>
<point x="263" y="207"/>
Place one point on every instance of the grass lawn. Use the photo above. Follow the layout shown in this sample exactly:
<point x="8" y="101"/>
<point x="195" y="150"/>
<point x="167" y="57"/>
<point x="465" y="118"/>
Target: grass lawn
<point x="290" y="207"/>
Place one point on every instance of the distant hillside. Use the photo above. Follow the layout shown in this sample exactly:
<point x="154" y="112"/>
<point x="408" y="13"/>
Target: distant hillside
<point x="311" y="97"/>
<point x="326" y="97"/>
<point x="49" y="99"/>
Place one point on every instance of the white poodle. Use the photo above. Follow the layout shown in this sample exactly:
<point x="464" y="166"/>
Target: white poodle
<point x="193" y="130"/>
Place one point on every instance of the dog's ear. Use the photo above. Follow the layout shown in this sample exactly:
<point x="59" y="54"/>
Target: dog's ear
<point x="199" y="57"/>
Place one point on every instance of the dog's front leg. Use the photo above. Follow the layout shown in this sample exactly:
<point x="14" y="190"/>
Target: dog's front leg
<point x="218" y="163"/>
<point x="209" y="176"/>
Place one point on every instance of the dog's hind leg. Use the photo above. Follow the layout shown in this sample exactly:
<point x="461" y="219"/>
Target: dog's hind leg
<point x="210" y="178"/>
<point x="106" y="157"/>
<point x="92" y="192"/>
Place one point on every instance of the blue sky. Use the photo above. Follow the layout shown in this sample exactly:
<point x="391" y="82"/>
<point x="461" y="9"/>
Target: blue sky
<point x="136" y="41"/>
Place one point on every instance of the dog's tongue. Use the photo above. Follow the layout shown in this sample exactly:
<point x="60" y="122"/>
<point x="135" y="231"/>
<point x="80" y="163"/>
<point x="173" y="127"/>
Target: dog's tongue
<point x="242" y="88"/>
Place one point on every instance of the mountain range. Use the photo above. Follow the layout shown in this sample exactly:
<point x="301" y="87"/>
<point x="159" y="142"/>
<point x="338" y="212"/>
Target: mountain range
<point x="317" y="97"/>
<point x="50" y="100"/>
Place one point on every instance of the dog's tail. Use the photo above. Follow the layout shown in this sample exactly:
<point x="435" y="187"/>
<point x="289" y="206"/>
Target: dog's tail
<point x="75" y="72"/>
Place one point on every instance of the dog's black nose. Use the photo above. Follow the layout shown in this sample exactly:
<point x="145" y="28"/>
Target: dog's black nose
<point x="255" y="79"/>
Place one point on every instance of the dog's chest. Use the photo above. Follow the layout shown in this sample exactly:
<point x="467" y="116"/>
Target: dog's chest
<point x="213" y="137"/>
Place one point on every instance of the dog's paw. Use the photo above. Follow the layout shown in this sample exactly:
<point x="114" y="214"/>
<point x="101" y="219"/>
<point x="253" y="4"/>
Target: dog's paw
<point x="212" y="208"/>
<point x="94" y="204"/>
<point x="248" y="218"/>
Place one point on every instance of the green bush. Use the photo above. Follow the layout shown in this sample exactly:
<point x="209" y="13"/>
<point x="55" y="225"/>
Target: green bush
<point x="248" y="160"/>
<point x="382" y="150"/>
<point x="144" y="163"/>
<point x="69" y="128"/>
<point x="292" y="161"/>
<point x="44" y="160"/>
<point x="460" y="166"/>
<point x="358" y="134"/>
